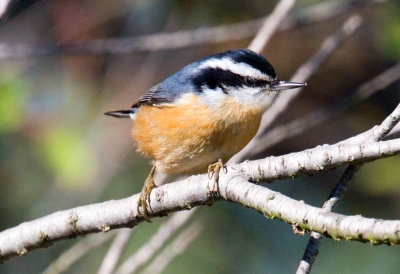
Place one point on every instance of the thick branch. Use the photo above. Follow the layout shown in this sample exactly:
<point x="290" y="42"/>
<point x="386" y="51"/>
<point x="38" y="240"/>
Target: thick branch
<point x="196" y="190"/>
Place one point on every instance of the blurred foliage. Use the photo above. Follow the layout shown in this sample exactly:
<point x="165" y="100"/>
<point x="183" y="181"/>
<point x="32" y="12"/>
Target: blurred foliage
<point x="391" y="32"/>
<point x="13" y="95"/>
<point x="58" y="150"/>
<point x="381" y="177"/>
<point x="66" y="155"/>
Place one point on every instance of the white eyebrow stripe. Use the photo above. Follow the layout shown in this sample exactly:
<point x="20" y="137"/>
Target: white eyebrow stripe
<point x="242" y="69"/>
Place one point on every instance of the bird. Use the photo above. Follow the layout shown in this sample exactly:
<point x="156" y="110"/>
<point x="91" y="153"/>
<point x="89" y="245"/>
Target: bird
<point x="199" y="117"/>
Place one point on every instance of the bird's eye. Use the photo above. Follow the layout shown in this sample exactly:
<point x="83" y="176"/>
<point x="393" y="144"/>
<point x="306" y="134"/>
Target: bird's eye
<point x="250" y="81"/>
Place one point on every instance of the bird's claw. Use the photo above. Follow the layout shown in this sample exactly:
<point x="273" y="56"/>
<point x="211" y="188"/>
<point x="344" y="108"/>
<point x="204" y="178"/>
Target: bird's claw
<point x="214" y="169"/>
<point x="144" y="195"/>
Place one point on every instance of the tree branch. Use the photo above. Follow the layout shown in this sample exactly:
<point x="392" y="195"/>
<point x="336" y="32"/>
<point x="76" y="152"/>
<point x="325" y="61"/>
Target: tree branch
<point x="197" y="190"/>
<point x="311" y="161"/>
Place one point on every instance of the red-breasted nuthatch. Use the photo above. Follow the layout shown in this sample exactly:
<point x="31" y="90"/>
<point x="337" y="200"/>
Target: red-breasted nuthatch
<point x="206" y="112"/>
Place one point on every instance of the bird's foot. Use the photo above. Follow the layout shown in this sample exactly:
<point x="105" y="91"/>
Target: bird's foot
<point x="144" y="194"/>
<point x="213" y="171"/>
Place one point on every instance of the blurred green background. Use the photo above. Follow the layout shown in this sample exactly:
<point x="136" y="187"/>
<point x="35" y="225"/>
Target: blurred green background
<point x="58" y="150"/>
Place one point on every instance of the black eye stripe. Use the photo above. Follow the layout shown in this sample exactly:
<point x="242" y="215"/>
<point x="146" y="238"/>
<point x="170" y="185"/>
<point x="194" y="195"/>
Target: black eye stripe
<point x="252" y="82"/>
<point x="217" y="77"/>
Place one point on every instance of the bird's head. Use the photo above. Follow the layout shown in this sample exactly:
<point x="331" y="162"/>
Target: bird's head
<point x="242" y="74"/>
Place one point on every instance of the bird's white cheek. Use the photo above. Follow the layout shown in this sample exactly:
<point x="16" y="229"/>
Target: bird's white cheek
<point x="245" y="96"/>
<point x="254" y="97"/>
<point x="213" y="97"/>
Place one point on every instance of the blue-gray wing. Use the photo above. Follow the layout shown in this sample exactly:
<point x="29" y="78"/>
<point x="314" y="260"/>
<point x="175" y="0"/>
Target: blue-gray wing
<point x="154" y="96"/>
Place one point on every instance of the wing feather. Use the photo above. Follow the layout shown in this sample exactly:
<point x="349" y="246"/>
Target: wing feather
<point x="155" y="96"/>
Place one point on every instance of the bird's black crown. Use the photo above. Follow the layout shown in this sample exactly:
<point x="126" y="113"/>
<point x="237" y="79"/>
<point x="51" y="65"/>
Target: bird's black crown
<point x="215" y="77"/>
<point x="249" y="57"/>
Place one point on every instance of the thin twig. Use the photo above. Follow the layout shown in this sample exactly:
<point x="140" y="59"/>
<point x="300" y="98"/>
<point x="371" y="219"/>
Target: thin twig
<point x="3" y="7"/>
<point x="337" y="193"/>
<point x="271" y="24"/>
<point x="115" y="251"/>
<point x="314" y="242"/>
<point x="146" y="252"/>
<point x="175" y="248"/>
<point x="395" y="133"/>
<point x="328" y="46"/>
<point x="388" y="124"/>
<point x="70" y="256"/>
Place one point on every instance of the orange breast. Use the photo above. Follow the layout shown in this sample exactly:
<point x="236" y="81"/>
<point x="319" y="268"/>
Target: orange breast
<point x="188" y="137"/>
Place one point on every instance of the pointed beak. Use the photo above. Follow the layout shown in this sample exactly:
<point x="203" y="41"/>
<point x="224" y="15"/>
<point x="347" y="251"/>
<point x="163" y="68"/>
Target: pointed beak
<point x="127" y="113"/>
<point x="281" y="85"/>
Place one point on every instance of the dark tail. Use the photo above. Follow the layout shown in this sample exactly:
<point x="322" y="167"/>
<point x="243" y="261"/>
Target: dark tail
<point x="127" y="113"/>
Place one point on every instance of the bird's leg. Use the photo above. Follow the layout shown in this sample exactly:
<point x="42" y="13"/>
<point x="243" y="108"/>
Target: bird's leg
<point x="144" y="194"/>
<point x="213" y="170"/>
